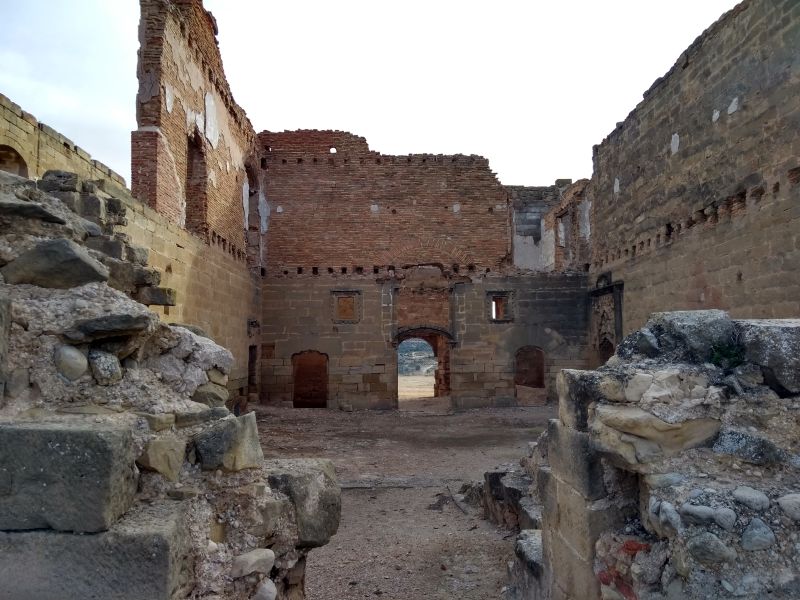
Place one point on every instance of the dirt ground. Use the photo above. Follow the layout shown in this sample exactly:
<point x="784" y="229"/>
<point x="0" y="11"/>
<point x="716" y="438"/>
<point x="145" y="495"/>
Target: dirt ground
<point x="415" y="386"/>
<point x="401" y="536"/>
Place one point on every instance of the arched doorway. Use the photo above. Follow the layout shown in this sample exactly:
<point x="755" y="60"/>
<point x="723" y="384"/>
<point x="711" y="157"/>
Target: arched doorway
<point x="310" y="378"/>
<point x="529" y="376"/>
<point x="605" y="350"/>
<point x="438" y="340"/>
<point x="12" y="162"/>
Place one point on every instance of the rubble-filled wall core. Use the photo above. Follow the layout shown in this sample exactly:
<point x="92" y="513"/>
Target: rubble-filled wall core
<point x="695" y="195"/>
<point x="190" y="150"/>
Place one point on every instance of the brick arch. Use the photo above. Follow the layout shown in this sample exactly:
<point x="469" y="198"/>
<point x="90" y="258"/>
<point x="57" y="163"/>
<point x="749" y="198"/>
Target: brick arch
<point x="425" y="250"/>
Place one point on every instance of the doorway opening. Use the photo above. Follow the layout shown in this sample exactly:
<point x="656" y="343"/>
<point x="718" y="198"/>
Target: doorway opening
<point x="529" y="376"/>
<point x="429" y="387"/>
<point x="310" y="378"/>
<point x="605" y="350"/>
<point x="416" y="369"/>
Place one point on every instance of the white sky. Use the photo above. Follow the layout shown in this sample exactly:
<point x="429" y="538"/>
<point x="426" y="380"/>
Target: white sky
<point x="530" y="84"/>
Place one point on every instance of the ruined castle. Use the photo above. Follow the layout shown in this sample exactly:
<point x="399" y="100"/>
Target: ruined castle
<point x="311" y="257"/>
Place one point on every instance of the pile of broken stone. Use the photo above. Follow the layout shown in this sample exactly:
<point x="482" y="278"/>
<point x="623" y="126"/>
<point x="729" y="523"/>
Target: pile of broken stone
<point x="695" y="426"/>
<point x="122" y="472"/>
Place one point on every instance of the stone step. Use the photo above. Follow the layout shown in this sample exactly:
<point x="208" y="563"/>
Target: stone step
<point x="73" y="476"/>
<point x="156" y="296"/>
<point x="503" y="492"/>
<point x="527" y="573"/>
<point x="142" y="557"/>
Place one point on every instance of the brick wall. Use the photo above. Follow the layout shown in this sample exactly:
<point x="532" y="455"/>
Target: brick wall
<point x="39" y="148"/>
<point x="695" y="196"/>
<point x="357" y="208"/>
<point x="189" y="153"/>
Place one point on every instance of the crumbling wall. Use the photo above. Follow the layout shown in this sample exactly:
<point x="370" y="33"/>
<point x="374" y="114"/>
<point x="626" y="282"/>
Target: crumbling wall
<point x="568" y="224"/>
<point x="214" y="290"/>
<point x="533" y="246"/>
<point x="124" y="475"/>
<point x="358" y="209"/>
<point x="671" y="472"/>
<point x="695" y="194"/>
<point x="190" y="151"/>
<point x="29" y="148"/>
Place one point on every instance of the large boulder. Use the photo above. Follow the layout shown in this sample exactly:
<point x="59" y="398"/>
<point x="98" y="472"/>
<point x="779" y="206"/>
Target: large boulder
<point x="774" y="345"/>
<point x="312" y="486"/>
<point x="55" y="263"/>
<point x="689" y="334"/>
<point x="69" y="476"/>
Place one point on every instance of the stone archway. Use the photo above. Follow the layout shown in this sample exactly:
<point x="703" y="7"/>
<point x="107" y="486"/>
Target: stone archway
<point x="310" y="379"/>
<point x="12" y="162"/>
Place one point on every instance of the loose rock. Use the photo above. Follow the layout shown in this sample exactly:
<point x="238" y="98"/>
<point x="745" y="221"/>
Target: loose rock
<point x="757" y="536"/>
<point x="70" y="362"/>
<point x="105" y="367"/>
<point x="56" y="263"/>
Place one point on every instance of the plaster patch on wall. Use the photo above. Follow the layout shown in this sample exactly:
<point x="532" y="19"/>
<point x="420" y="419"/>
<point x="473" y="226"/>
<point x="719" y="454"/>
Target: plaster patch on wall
<point x="188" y="71"/>
<point x="178" y="179"/>
<point x="733" y="106"/>
<point x="675" y="143"/>
<point x="212" y="124"/>
<point x="246" y="201"/>
<point x="548" y="245"/>
<point x="715" y="116"/>
<point x="263" y="211"/>
<point x="374" y="208"/>
<point x="169" y="94"/>
<point x="562" y="238"/>
<point x="616" y="186"/>
<point x="584" y="219"/>
<point x="279" y="210"/>
<point x="194" y="120"/>
<point x="148" y="86"/>
<point x="212" y="177"/>
<point x="456" y="208"/>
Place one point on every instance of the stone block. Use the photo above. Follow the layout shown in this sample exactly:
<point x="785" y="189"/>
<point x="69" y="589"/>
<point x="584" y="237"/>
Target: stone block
<point x="313" y="489"/>
<point x="574" y="461"/>
<point x="165" y="456"/>
<point x="143" y="556"/>
<point x="157" y="296"/>
<point x="58" y="263"/>
<point x="574" y="577"/>
<point x="774" y="345"/>
<point x="575" y="394"/>
<point x="69" y="476"/>
<point x="582" y="521"/>
<point x="231" y="444"/>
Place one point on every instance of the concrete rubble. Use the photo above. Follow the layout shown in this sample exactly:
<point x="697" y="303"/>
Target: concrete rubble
<point x="671" y="472"/>
<point x="122" y="473"/>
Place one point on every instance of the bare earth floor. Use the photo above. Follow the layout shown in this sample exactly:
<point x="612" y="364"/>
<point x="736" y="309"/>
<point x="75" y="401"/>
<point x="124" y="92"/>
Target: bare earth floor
<point x="401" y="536"/>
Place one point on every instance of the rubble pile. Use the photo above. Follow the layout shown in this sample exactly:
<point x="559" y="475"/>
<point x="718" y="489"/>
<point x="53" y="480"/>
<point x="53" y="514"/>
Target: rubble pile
<point x="673" y="471"/>
<point x="123" y="475"/>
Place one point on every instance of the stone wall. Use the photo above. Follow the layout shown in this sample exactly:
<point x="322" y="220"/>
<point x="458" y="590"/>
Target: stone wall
<point x="29" y="148"/>
<point x="214" y="290"/>
<point x="190" y="150"/>
<point x="695" y="195"/>
<point x="476" y="353"/>
<point x="358" y="209"/>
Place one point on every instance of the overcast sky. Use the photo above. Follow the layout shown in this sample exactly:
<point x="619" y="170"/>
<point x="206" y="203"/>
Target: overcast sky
<point x="530" y="84"/>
